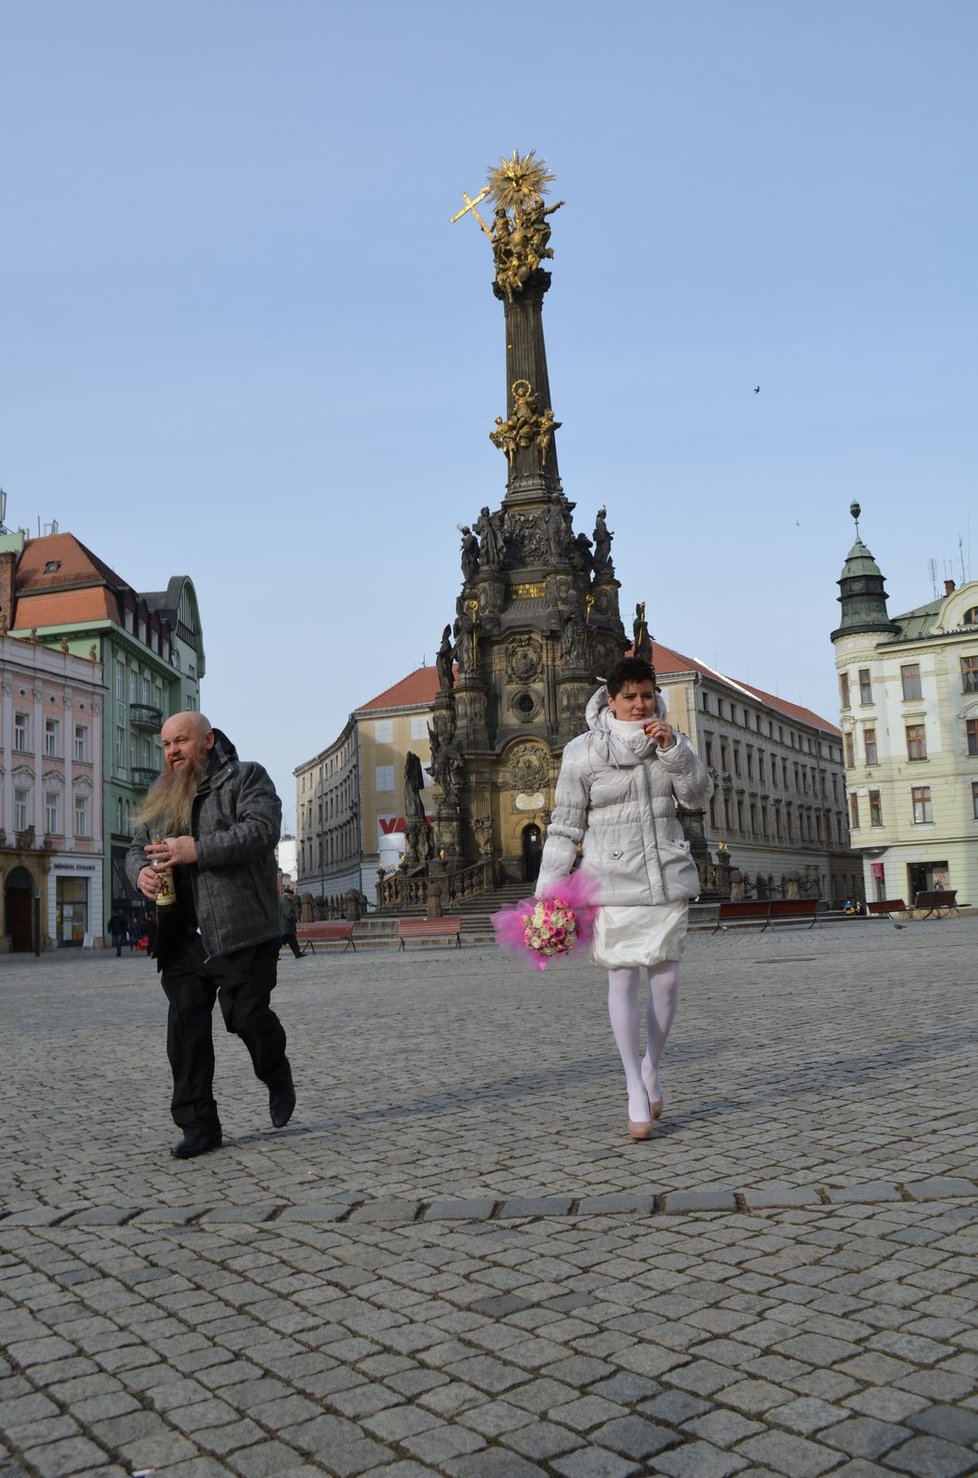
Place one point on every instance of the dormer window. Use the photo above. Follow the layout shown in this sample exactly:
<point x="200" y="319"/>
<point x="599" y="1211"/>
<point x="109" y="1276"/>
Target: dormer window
<point x="970" y="618"/>
<point x="52" y="567"/>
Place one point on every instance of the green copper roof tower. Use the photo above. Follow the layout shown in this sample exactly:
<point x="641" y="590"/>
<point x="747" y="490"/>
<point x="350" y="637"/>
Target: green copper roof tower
<point x="862" y="598"/>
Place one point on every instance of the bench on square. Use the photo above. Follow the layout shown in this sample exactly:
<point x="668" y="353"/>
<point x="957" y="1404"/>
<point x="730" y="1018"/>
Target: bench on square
<point x="325" y="931"/>
<point x="941" y="902"/>
<point x="767" y="911"/>
<point x="884" y="907"/>
<point x="447" y="927"/>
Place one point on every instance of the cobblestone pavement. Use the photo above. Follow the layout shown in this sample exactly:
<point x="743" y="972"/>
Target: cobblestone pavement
<point x="454" y="1260"/>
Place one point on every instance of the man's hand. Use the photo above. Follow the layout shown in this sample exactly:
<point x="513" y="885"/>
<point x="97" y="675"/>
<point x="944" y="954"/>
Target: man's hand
<point x="147" y="882"/>
<point x="172" y="851"/>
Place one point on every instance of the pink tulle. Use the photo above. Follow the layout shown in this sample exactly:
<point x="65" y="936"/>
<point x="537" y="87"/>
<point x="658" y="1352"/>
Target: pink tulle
<point x="576" y="893"/>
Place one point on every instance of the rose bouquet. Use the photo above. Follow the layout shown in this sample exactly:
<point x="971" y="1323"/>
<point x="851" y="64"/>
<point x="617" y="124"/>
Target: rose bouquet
<point x="556" y="923"/>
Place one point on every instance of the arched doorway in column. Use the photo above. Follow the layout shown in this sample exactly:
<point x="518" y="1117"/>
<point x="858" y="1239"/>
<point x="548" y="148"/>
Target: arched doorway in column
<point x="532" y="848"/>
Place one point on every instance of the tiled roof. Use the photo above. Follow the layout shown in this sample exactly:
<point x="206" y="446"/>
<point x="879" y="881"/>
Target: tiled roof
<point x="418" y="690"/>
<point x="77" y="565"/>
<point x="666" y="660"/>
<point x="66" y="608"/>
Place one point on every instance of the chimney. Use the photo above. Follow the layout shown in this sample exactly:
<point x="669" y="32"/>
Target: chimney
<point x="948" y="587"/>
<point x="8" y="569"/>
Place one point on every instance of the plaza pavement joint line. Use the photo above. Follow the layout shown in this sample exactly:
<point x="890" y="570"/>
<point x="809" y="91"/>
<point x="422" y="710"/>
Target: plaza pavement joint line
<point x="492" y="1208"/>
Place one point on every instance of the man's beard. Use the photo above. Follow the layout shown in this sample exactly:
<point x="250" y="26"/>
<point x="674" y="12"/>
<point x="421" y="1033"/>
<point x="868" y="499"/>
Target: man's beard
<point x="167" y="809"/>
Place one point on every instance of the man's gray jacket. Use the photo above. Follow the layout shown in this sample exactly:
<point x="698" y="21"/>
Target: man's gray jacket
<point x="235" y="823"/>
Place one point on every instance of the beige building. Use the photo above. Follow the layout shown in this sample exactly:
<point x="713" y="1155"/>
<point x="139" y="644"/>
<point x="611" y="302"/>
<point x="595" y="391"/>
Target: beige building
<point x="778" y="807"/>
<point x="350" y="796"/>
<point x="908" y="692"/>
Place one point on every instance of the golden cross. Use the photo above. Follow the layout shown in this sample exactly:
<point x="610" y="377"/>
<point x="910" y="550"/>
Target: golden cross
<point x="470" y="205"/>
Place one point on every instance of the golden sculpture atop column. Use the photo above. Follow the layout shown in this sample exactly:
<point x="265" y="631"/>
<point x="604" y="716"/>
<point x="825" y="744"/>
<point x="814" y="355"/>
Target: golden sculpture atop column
<point x="520" y="231"/>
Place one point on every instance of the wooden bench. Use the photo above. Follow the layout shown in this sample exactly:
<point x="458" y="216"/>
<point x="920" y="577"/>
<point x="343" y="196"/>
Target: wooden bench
<point x="883" y="907"/>
<point x="767" y="911"/>
<point x="939" y="901"/>
<point x="794" y="911"/>
<point x="446" y="927"/>
<point x="325" y="931"/>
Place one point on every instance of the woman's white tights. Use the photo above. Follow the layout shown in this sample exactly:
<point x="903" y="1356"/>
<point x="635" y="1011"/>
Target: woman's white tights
<point x="642" y="1073"/>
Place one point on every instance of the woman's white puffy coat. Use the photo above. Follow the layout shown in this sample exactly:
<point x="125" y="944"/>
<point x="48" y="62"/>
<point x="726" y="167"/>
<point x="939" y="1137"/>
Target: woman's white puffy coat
<point x="617" y="796"/>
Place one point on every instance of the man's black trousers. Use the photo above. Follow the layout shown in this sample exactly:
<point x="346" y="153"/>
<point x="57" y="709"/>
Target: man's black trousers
<point x="243" y="983"/>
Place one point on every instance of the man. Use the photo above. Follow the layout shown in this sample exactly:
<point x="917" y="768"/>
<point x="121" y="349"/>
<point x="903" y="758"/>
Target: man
<point x="289" y="919"/>
<point x="214" y="821"/>
<point x="117" y="929"/>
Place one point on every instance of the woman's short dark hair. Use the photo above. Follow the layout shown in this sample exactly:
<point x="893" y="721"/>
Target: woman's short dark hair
<point x="629" y="670"/>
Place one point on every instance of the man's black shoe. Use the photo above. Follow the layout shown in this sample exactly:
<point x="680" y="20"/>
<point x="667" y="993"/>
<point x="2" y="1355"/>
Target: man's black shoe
<point x="196" y="1142"/>
<point x="281" y="1102"/>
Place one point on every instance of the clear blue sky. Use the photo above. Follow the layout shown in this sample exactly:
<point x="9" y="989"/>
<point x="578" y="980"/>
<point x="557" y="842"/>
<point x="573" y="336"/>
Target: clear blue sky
<point x="240" y="339"/>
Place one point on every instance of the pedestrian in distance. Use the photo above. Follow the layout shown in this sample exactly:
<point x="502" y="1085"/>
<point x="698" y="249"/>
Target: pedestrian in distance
<point x="116" y="929"/>
<point x="617" y="792"/>
<point x="290" y="918"/>
<point x="206" y="839"/>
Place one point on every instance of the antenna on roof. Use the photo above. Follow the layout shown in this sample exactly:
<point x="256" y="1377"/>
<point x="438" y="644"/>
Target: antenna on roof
<point x="3" y="512"/>
<point x="932" y="566"/>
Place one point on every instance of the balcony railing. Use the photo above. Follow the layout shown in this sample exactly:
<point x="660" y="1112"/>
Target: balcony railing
<point x="143" y="776"/>
<point x="145" y="716"/>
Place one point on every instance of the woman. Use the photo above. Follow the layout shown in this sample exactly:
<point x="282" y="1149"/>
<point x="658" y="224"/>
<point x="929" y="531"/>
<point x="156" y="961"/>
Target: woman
<point x="616" y="799"/>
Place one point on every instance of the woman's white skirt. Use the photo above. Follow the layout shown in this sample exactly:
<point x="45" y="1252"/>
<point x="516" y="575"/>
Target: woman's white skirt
<point x="628" y="936"/>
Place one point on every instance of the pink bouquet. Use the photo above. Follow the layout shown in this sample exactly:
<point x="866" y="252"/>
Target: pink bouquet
<point x="555" y="924"/>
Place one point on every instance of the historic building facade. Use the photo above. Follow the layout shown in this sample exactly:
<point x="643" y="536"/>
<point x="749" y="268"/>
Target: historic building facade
<point x="150" y="649"/>
<point x="51" y="859"/>
<point x="350" y="798"/>
<point x="908" y="695"/>
<point x="777" y="817"/>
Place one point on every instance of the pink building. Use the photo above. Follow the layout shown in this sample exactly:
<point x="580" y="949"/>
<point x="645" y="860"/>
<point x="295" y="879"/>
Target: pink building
<point x="51" y="857"/>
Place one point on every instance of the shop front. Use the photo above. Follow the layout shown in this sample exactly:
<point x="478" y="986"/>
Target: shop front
<point x="75" y="903"/>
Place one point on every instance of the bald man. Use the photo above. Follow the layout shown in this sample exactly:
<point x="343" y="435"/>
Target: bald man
<point x="214" y="820"/>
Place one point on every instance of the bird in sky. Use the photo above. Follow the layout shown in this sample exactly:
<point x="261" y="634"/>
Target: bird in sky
<point x="757" y="389"/>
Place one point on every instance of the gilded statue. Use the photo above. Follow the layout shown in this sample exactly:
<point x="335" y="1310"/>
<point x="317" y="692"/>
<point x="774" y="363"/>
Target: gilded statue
<point x="527" y="426"/>
<point x="520" y="230"/>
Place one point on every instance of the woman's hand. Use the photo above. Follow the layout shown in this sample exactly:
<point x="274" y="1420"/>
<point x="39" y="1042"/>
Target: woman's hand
<point x="663" y="733"/>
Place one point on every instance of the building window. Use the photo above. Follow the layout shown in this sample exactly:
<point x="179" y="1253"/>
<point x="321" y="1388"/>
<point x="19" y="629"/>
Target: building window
<point x="854" y="812"/>
<point x="120" y="679"/>
<point x="419" y="728"/>
<point x="52" y="813"/>
<point x="910" y="678"/>
<point x="52" y="736"/>
<point x="81" y="816"/>
<point x="120" y="747"/>
<point x="384" y="731"/>
<point x="22" y="735"/>
<point x="971" y="729"/>
<point x="708" y="751"/>
<point x="850" y="751"/>
<point x="869" y="740"/>
<point x="974" y="798"/>
<point x="969" y="674"/>
<point x="81" y="742"/>
<point x="384" y="777"/>
<point x="865" y="686"/>
<point x="970" y="618"/>
<point x="22" y="801"/>
<point x="922" y="809"/>
<point x="844" y="689"/>
<point x="916" y="742"/>
<point x="875" y="809"/>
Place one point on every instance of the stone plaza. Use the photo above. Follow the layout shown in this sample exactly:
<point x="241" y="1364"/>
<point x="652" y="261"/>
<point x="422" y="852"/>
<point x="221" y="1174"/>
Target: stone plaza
<point x="454" y="1261"/>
